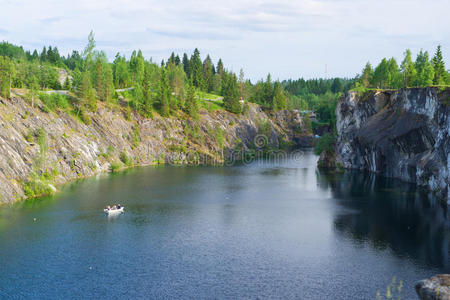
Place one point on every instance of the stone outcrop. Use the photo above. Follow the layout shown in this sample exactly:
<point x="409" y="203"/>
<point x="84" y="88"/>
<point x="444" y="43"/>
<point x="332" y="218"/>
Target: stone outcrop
<point x="403" y="134"/>
<point x="434" y="288"/>
<point x="74" y="149"/>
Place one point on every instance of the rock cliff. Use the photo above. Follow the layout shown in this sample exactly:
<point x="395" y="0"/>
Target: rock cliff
<point x="41" y="150"/>
<point x="402" y="134"/>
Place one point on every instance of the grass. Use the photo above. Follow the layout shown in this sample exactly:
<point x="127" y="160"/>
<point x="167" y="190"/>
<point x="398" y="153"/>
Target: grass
<point x="208" y="96"/>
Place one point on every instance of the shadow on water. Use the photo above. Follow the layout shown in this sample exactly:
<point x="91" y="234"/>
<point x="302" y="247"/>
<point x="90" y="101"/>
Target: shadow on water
<point x="391" y="214"/>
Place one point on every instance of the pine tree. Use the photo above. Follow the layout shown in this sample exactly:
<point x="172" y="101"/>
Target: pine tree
<point x="230" y="92"/>
<point x="439" y="67"/>
<point x="197" y="69"/>
<point x="208" y="74"/>
<point x="186" y="65"/>
<point x="148" y="103"/>
<point x="99" y="80"/>
<point x="164" y="94"/>
<point x="43" y="55"/>
<point x="268" y="91"/>
<point x="6" y="70"/>
<point x="67" y="85"/>
<point x="425" y="70"/>
<point x="366" y="76"/>
<point x="336" y="86"/>
<point x="279" y="98"/>
<point x="191" y="105"/>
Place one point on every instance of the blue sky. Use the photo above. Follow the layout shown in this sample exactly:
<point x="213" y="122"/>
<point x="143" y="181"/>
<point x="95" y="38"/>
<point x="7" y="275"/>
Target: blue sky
<point x="289" y="39"/>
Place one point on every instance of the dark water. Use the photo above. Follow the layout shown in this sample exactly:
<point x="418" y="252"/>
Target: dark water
<point x="268" y="230"/>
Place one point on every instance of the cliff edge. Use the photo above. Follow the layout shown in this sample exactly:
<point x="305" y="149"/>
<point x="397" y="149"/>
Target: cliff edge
<point x="403" y="134"/>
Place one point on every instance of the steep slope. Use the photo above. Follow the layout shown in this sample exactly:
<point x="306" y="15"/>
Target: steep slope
<point x="403" y="134"/>
<point x="41" y="150"/>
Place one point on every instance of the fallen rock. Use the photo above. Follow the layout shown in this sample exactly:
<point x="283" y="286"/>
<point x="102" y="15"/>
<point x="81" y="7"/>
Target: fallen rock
<point x="434" y="288"/>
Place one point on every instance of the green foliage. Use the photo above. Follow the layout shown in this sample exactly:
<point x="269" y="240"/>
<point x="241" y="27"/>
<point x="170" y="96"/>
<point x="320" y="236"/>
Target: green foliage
<point x="54" y="101"/>
<point x="191" y="104"/>
<point x="325" y="143"/>
<point x="230" y="93"/>
<point x="37" y="187"/>
<point x="409" y="70"/>
<point x="439" y="68"/>
<point x="115" y="166"/>
<point x="6" y="71"/>
<point x="136" y="136"/>
<point x="164" y="94"/>
<point x="425" y="69"/>
<point x="124" y="158"/>
<point x="279" y="101"/>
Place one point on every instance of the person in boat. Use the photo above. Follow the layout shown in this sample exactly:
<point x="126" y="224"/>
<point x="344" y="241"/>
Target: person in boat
<point x="119" y="206"/>
<point x="108" y="207"/>
<point x="114" y="207"/>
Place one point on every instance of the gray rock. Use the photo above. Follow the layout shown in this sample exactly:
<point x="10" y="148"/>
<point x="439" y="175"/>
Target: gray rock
<point x="78" y="150"/>
<point x="434" y="288"/>
<point x="403" y="134"/>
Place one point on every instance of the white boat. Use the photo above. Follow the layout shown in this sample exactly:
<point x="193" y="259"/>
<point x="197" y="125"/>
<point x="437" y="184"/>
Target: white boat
<point x="114" y="211"/>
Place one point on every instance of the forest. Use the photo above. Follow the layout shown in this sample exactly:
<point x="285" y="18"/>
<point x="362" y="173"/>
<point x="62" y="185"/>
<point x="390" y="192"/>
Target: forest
<point x="173" y="85"/>
<point x="178" y="83"/>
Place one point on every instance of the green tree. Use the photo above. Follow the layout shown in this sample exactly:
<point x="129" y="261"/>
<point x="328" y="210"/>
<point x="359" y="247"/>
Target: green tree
<point x="230" y="92"/>
<point x="186" y="65"/>
<point x="164" y="94"/>
<point x="33" y="88"/>
<point x="121" y="74"/>
<point x="439" y="67"/>
<point x="148" y="102"/>
<point x="268" y="92"/>
<point x="197" y="69"/>
<point x="425" y="70"/>
<point x="408" y="70"/>
<point x="279" y="98"/>
<point x="88" y="53"/>
<point x="191" y="105"/>
<point x="367" y="76"/>
<point x="208" y="74"/>
<point x="6" y="69"/>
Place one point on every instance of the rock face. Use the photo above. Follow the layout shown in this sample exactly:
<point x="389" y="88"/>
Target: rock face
<point x="73" y="149"/>
<point x="403" y="134"/>
<point x="434" y="288"/>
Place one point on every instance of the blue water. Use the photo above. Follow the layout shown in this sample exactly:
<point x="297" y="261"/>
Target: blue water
<point x="272" y="229"/>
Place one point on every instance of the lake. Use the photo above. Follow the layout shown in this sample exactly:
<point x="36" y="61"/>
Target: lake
<point x="269" y="229"/>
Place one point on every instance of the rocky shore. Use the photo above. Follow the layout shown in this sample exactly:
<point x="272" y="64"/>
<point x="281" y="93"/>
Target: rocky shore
<point x="46" y="149"/>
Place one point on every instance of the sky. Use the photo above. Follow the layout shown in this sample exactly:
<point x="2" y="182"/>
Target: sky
<point x="287" y="38"/>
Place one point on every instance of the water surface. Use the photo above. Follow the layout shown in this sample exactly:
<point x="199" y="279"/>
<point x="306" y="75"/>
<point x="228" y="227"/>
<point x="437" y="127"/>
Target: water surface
<point x="272" y="229"/>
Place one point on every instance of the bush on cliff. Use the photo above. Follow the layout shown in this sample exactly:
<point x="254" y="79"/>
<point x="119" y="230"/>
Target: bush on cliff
<point x="325" y="143"/>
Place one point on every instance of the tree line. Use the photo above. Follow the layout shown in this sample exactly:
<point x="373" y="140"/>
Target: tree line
<point x="422" y="72"/>
<point x="167" y="87"/>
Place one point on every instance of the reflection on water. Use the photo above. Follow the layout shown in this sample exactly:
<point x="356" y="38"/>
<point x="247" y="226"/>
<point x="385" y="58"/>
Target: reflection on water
<point x="391" y="214"/>
<point x="271" y="229"/>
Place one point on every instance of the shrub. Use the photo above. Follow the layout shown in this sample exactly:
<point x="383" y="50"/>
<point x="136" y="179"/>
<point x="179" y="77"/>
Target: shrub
<point x="115" y="166"/>
<point x="126" y="159"/>
<point x="325" y="143"/>
<point x="54" y="101"/>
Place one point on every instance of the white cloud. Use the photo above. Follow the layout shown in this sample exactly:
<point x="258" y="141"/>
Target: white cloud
<point x="286" y="38"/>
